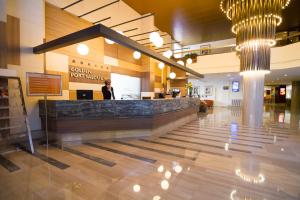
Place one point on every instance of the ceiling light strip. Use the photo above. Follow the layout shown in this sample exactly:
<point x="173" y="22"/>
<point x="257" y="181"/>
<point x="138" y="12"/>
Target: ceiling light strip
<point x="132" y="20"/>
<point x="102" y="20"/>
<point x="129" y="30"/>
<point x="72" y="4"/>
<point x="104" y="6"/>
<point x="143" y="33"/>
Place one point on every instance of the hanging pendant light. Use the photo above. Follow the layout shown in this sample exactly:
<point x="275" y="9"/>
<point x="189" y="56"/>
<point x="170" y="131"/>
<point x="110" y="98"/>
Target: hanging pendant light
<point x="254" y="24"/>
<point x="153" y="36"/>
<point x="159" y="42"/>
<point x="189" y="61"/>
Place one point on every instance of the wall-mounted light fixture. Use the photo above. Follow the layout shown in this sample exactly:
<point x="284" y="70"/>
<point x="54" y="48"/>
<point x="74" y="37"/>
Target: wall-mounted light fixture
<point x="137" y="55"/>
<point x="82" y="49"/>
<point x="172" y="75"/>
<point x="161" y="65"/>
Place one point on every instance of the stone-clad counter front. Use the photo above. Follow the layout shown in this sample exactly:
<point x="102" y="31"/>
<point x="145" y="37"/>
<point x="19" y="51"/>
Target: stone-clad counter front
<point x="65" y="116"/>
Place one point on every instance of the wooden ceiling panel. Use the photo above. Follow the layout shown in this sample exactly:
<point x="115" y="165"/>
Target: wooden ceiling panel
<point x="197" y="21"/>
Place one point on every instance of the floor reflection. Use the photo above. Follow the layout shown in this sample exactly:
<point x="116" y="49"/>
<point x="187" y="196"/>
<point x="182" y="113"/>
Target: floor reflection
<point x="213" y="157"/>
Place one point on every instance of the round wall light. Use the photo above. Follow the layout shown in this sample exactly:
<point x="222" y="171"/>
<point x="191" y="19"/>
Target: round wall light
<point x="82" y="49"/>
<point x="161" y="65"/>
<point x="172" y="75"/>
<point x="180" y="62"/>
<point x="189" y="61"/>
<point x="137" y="55"/>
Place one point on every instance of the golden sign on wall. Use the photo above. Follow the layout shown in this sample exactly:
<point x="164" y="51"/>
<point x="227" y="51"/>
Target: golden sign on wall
<point x="85" y="71"/>
<point x="85" y="75"/>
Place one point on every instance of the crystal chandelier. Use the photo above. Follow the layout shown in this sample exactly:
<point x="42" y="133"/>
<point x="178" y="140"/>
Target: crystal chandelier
<point x="254" y="24"/>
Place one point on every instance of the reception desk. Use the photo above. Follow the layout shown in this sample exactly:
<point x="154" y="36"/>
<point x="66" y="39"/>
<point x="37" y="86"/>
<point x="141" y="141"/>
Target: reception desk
<point x="87" y="119"/>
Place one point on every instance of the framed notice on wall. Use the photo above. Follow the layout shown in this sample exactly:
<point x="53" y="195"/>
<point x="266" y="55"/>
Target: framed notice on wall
<point x="39" y="84"/>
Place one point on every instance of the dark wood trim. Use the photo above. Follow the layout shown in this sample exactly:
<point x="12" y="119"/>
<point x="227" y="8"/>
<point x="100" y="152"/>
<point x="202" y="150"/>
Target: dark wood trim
<point x="100" y="30"/>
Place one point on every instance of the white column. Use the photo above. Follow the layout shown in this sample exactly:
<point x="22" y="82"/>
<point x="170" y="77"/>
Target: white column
<point x="253" y="98"/>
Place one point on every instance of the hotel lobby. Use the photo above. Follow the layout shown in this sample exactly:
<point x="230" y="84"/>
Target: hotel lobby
<point x="149" y="100"/>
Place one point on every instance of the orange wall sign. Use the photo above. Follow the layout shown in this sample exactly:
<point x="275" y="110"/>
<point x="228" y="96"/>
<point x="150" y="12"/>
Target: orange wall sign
<point x="39" y="84"/>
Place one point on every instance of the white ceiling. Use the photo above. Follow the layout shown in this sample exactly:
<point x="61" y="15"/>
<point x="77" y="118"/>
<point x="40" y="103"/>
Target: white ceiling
<point x="276" y="77"/>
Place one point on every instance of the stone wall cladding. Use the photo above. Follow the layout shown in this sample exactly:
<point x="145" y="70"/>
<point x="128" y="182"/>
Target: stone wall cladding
<point x="88" y="109"/>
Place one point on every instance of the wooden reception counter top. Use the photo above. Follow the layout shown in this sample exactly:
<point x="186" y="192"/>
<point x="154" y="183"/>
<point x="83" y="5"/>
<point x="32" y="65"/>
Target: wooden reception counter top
<point x="66" y="116"/>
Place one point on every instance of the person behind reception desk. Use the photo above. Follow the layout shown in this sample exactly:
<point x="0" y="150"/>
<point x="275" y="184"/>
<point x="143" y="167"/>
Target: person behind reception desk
<point x="108" y="91"/>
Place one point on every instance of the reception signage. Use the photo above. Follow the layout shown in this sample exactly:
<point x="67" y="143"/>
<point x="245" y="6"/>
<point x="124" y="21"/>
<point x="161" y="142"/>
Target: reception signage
<point x="39" y="84"/>
<point x="86" y="75"/>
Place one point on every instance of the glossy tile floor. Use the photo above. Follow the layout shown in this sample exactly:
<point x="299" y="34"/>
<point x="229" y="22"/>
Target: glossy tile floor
<point x="213" y="157"/>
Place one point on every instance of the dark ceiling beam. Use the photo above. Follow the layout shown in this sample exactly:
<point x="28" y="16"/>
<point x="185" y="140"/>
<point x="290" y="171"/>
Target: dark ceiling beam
<point x="162" y="48"/>
<point x="132" y="20"/>
<point x="143" y="33"/>
<point x="102" y="20"/>
<point x="72" y="4"/>
<point x="129" y="30"/>
<point x="165" y="43"/>
<point x="174" y="50"/>
<point x="103" y="31"/>
<point x="104" y="6"/>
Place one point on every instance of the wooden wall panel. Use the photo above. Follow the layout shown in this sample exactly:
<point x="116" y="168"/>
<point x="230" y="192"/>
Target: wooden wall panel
<point x="13" y="40"/>
<point x="72" y="95"/>
<point x="120" y="52"/>
<point x="127" y="55"/>
<point x="3" y="49"/>
<point x="60" y="23"/>
<point x="124" y="71"/>
<point x="97" y="95"/>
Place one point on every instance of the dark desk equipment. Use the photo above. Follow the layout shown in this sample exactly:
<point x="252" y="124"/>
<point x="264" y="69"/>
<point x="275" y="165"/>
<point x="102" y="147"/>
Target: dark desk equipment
<point x="84" y="94"/>
<point x="175" y="92"/>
